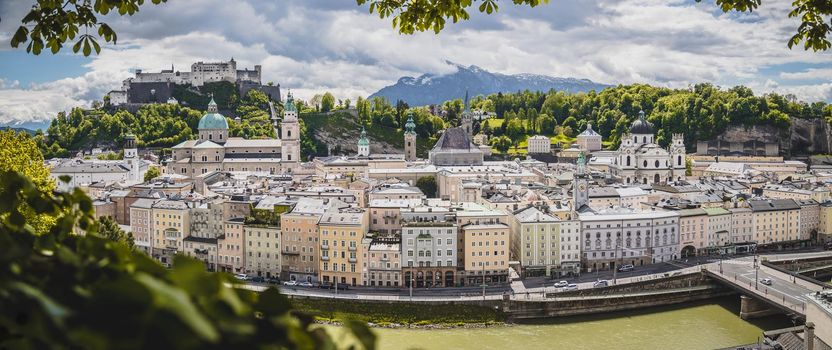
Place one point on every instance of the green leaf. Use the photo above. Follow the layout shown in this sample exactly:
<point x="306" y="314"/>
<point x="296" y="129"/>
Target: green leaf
<point x="179" y="303"/>
<point x="362" y="332"/>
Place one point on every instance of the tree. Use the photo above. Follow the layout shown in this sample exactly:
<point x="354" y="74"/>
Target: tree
<point x="55" y="23"/>
<point x="428" y="185"/>
<point x="327" y="102"/>
<point x="109" y="229"/>
<point x="501" y="143"/>
<point x="65" y="290"/>
<point x="19" y="153"/>
<point x="151" y="174"/>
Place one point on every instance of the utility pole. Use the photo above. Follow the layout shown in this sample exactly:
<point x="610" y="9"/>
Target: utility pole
<point x="411" y="283"/>
<point x="615" y="268"/>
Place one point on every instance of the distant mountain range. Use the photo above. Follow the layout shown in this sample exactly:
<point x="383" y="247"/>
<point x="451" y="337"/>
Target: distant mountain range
<point x="432" y="89"/>
<point x="28" y="131"/>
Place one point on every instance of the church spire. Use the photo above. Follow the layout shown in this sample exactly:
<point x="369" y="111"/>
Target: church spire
<point x="467" y="107"/>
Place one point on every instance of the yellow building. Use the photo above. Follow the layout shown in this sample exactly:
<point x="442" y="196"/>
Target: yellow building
<point x="342" y="253"/>
<point x="262" y="250"/>
<point x="486" y="253"/>
<point x="776" y="220"/>
<point x="171" y="223"/>
<point x="825" y="222"/>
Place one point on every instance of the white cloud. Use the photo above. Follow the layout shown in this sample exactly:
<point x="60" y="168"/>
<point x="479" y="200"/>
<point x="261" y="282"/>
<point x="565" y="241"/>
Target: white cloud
<point x="320" y="45"/>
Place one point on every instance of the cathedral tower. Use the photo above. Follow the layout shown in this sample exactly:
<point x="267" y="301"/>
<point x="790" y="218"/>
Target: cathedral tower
<point x="290" y="134"/>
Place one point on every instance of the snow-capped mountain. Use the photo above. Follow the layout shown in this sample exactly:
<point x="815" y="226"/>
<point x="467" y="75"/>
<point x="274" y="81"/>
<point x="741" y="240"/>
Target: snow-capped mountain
<point x="431" y="88"/>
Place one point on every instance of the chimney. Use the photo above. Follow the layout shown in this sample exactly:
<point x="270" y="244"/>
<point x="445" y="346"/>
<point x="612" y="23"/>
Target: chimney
<point x="809" y="336"/>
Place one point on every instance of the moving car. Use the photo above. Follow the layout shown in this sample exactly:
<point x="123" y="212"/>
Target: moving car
<point x="258" y="279"/>
<point x="600" y="283"/>
<point x="290" y="283"/>
<point x="561" y="284"/>
<point x="766" y="281"/>
<point x="306" y="284"/>
<point x="241" y="276"/>
<point x="571" y="286"/>
<point x="626" y="268"/>
<point x="273" y="280"/>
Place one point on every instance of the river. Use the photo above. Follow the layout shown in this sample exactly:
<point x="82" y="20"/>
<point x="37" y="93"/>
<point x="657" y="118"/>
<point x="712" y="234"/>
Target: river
<point x="704" y="325"/>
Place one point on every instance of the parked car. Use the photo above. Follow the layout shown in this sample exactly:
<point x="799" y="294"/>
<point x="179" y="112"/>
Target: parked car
<point x="600" y="283"/>
<point x="241" y="276"/>
<point x="290" y="283"/>
<point x="325" y="285"/>
<point x="343" y="286"/>
<point x="258" y="279"/>
<point x="561" y="284"/>
<point x="626" y="268"/>
<point x="273" y="280"/>
<point x="306" y="284"/>
<point x="571" y="286"/>
<point x="766" y="281"/>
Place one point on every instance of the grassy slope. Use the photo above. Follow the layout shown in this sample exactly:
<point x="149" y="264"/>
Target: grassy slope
<point x="343" y="125"/>
<point x="401" y="313"/>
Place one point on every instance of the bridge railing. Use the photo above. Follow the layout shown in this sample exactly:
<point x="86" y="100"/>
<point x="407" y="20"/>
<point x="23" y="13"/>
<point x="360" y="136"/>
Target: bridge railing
<point x="762" y="291"/>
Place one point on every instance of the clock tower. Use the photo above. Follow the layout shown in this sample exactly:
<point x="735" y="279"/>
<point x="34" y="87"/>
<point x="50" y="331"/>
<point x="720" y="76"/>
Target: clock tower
<point x="580" y="184"/>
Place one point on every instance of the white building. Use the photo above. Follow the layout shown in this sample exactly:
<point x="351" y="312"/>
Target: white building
<point x="539" y="144"/>
<point x="640" y="160"/>
<point x="589" y="140"/>
<point x="617" y="236"/>
<point x="429" y="253"/>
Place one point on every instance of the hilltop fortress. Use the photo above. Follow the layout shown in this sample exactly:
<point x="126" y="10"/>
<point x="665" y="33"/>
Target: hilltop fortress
<point x="156" y="87"/>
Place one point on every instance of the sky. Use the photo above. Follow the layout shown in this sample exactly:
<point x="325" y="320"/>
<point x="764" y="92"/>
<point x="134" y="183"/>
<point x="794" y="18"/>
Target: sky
<point x="312" y="46"/>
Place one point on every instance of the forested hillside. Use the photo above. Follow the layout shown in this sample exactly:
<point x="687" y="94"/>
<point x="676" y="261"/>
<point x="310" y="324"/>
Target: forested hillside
<point x="156" y="125"/>
<point x="701" y="113"/>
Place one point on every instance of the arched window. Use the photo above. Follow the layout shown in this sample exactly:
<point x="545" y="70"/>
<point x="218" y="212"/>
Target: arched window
<point x="645" y="163"/>
<point x="628" y="160"/>
<point x="679" y="160"/>
<point x="635" y="139"/>
<point x="657" y="163"/>
<point x="644" y="139"/>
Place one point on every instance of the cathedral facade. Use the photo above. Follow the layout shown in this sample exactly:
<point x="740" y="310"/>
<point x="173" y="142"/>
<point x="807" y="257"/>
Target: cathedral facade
<point x="639" y="160"/>
<point x="215" y="151"/>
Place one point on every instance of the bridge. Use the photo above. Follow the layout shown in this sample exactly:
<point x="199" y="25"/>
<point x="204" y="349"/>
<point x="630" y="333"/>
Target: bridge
<point x="786" y="293"/>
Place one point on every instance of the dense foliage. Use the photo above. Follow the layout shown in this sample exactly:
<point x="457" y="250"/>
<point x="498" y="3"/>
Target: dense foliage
<point x="701" y="113"/>
<point x="155" y="125"/>
<point x="428" y="185"/>
<point x="71" y="288"/>
<point x="19" y="153"/>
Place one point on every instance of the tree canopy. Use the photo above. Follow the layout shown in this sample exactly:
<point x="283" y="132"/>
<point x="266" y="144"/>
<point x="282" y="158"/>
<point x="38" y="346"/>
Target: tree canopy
<point x="54" y="23"/>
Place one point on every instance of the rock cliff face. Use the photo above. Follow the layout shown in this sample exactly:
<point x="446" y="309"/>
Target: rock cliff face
<point x="810" y="136"/>
<point x="804" y="137"/>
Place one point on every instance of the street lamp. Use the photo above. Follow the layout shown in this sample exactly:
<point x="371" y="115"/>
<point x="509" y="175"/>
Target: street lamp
<point x="483" y="285"/>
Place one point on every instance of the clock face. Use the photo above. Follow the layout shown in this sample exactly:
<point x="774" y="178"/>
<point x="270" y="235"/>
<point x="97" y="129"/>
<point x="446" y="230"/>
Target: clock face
<point x="582" y="187"/>
<point x="679" y="151"/>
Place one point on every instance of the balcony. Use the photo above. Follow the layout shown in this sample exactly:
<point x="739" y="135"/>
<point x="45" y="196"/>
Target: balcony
<point x="286" y="252"/>
<point x="324" y="258"/>
<point x="352" y="249"/>
<point x="325" y="246"/>
<point x="352" y="260"/>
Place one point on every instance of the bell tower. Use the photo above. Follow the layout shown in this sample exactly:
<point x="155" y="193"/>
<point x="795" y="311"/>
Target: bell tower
<point x="410" y="138"/>
<point x="290" y="134"/>
<point x="580" y="184"/>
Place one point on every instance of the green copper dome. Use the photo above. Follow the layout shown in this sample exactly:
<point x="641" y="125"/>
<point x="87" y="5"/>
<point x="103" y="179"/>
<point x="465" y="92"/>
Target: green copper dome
<point x="213" y="119"/>
<point x="362" y="141"/>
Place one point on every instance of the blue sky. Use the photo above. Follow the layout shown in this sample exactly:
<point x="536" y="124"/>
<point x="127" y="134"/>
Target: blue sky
<point x="326" y="45"/>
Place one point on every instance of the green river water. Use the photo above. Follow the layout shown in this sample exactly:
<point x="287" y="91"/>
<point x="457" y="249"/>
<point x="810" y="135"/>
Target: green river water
<point x="710" y="324"/>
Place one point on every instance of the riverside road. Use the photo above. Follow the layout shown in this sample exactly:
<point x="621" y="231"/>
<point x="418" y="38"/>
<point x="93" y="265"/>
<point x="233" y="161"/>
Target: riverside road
<point x="740" y="268"/>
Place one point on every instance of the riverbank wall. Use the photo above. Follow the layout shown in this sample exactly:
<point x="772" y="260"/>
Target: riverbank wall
<point x="630" y="296"/>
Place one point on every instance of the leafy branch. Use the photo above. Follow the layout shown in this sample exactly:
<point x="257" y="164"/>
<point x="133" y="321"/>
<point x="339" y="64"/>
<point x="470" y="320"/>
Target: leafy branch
<point x="54" y="23"/>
